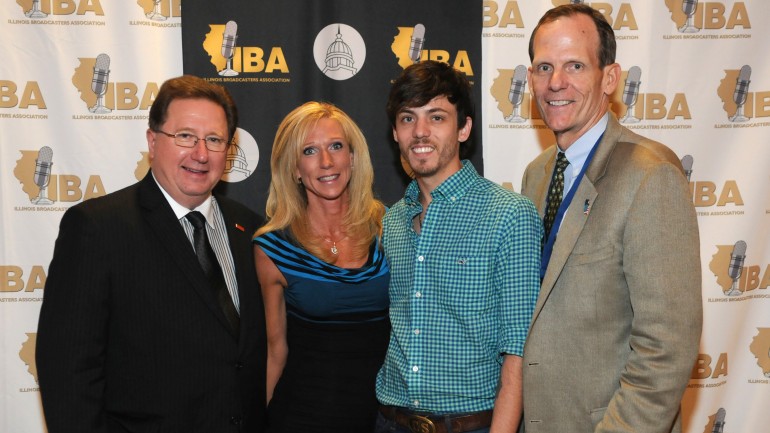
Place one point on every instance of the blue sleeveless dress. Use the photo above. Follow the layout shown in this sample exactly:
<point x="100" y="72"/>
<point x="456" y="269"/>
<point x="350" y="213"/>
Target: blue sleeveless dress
<point x="337" y="333"/>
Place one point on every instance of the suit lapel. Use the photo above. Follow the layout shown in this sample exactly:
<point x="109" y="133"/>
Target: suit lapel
<point x="577" y="214"/>
<point x="541" y="192"/>
<point x="569" y="231"/>
<point x="163" y="222"/>
<point x="241" y="252"/>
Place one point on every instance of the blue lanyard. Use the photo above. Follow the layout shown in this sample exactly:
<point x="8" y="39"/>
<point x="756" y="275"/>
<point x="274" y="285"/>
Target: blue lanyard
<point x="548" y="247"/>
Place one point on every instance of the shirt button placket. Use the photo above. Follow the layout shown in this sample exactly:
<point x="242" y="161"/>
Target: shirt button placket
<point x="417" y="323"/>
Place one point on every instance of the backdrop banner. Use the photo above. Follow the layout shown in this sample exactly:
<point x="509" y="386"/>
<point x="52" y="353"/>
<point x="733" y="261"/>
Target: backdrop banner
<point x="275" y="56"/>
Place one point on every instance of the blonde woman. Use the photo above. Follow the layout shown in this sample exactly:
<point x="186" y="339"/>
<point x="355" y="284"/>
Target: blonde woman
<point x="323" y="275"/>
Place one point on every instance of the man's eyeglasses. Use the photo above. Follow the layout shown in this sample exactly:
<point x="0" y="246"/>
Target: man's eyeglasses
<point x="185" y="139"/>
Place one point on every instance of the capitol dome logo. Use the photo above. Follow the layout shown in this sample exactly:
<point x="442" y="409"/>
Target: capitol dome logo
<point x="339" y="51"/>
<point x="242" y="157"/>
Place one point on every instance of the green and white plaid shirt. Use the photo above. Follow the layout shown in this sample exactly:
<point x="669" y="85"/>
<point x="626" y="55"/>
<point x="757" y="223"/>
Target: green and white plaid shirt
<point x="461" y="293"/>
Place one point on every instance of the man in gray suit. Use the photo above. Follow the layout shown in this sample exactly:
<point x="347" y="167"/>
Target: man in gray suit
<point x="617" y="323"/>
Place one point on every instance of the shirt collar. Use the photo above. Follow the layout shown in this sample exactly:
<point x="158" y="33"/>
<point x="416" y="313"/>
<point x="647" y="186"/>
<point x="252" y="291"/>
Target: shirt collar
<point x="180" y="211"/>
<point x="451" y="189"/>
<point x="579" y="150"/>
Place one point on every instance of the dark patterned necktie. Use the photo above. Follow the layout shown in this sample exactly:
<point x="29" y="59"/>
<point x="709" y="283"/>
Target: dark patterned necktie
<point x="212" y="269"/>
<point x="555" y="192"/>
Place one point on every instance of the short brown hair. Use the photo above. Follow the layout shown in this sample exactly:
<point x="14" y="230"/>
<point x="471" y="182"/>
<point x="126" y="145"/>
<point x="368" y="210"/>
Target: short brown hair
<point x="607" y="45"/>
<point x="192" y="87"/>
<point x="419" y="83"/>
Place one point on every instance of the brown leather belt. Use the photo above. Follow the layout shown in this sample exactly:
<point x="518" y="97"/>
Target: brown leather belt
<point x="427" y="423"/>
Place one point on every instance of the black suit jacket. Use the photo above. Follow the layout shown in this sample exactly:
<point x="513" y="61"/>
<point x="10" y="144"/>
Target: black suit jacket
<point x="130" y="338"/>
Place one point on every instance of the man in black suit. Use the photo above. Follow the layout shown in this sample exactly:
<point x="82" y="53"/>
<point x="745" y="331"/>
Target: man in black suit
<point x="134" y="335"/>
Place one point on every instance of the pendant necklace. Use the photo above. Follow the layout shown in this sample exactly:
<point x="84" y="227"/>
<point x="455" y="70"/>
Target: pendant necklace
<point x="333" y="249"/>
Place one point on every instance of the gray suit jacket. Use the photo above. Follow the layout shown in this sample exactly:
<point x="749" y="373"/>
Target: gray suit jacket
<point x="617" y="324"/>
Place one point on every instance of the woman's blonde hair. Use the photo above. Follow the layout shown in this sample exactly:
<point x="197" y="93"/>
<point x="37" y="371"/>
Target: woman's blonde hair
<point x="287" y="198"/>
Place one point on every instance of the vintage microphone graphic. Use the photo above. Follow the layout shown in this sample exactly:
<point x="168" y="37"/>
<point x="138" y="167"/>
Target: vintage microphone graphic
<point x="155" y="15"/>
<point x="99" y="83"/>
<point x="516" y="94"/>
<point x="689" y="7"/>
<point x="631" y="93"/>
<point x="415" y="44"/>
<point x="687" y="166"/>
<point x="741" y="92"/>
<point x="35" y="12"/>
<point x="719" y="422"/>
<point x="228" y="48"/>
<point x="43" y="174"/>
<point x="737" y="257"/>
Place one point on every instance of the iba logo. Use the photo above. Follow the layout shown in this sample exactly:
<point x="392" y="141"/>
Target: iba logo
<point x="408" y="47"/>
<point x="230" y="60"/>
<point x="633" y="106"/>
<point x="622" y="18"/>
<point x="500" y="17"/>
<point x="502" y="14"/>
<point x="242" y="159"/>
<point x="40" y="9"/>
<point x="27" y="355"/>
<point x="692" y="16"/>
<point x="709" y="367"/>
<point x="760" y="347"/>
<point x="160" y="10"/>
<point x="716" y="422"/>
<point x="706" y="193"/>
<point x="739" y="104"/>
<point x="100" y="96"/>
<point x="513" y="102"/>
<point x="736" y="278"/>
<point x="34" y="171"/>
<point x="16" y="97"/>
<point x="13" y="280"/>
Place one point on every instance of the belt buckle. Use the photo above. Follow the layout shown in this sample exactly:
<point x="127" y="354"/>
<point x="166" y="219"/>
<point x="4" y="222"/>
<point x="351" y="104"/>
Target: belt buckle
<point x="421" y="424"/>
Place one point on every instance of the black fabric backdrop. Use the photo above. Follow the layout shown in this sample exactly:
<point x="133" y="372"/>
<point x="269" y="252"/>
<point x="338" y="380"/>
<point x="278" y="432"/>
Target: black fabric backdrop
<point x="290" y="27"/>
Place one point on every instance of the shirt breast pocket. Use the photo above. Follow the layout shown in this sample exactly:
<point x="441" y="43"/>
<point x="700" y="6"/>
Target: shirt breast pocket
<point x="593" y="256"/>
<point x="465" y="283"/>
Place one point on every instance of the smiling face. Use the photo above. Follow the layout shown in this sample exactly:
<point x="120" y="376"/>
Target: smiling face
<point x="188" y="174"/>
<point x="325" y="161"/>
<point x="429" y="139"/>
<point x="571" y="90"/>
